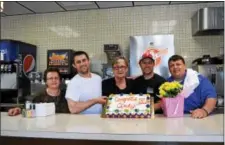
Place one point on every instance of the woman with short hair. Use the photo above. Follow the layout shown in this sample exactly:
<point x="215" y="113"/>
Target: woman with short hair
<point x="52" y="93"/>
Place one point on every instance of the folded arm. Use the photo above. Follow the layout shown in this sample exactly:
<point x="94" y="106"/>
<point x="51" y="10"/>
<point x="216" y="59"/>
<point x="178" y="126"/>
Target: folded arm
<point x="76" y="107"/>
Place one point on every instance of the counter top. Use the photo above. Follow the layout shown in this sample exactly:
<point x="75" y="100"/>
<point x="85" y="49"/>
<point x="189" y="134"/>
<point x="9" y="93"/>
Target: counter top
<point x="93" y="127"/>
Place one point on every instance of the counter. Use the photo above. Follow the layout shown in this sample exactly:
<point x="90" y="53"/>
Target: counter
<point x="93" y="127"/>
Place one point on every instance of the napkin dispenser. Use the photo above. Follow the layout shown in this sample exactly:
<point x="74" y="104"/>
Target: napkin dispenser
<point x="44" y="109"/>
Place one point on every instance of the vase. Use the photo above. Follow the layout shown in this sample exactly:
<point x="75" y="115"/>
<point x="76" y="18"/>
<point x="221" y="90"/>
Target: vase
<point x="173" y="107"/>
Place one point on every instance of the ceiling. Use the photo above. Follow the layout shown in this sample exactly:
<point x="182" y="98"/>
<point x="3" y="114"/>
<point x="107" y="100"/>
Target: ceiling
<point x="12" y="8"/>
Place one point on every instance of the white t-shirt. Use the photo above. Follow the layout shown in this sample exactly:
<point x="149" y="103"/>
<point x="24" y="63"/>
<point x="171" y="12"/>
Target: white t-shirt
<point x="84" y="89"/>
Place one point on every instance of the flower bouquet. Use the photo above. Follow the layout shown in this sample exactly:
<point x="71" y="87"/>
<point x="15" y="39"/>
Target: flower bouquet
<point x="172" y="100"/>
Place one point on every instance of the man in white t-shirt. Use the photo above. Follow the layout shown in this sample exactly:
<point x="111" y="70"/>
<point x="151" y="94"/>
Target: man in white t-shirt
<point x="84" y="91"/>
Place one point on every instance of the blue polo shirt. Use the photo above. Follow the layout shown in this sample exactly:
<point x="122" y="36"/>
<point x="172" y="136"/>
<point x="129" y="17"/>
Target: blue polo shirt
<point x="197" y="99"/>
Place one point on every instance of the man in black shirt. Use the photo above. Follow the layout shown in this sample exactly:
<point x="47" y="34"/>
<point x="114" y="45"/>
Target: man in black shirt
<point x="149" y="82"/>
<point x="119" y="83"/>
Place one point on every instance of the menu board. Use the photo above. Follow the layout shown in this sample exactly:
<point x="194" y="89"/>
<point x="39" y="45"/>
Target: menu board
<point x="58" y="59"/>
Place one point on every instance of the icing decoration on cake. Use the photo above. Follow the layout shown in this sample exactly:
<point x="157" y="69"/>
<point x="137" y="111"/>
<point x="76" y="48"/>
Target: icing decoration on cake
<point x="128" y="106"/>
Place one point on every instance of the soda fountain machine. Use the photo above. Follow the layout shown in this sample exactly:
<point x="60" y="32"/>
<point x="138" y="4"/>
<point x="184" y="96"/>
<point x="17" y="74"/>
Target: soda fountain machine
<point x="17" y="60"/>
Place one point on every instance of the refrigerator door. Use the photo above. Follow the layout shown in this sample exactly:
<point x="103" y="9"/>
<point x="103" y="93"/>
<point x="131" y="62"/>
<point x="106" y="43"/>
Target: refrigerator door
<point x="8" y="50"/>
<point x="160" y="46"/>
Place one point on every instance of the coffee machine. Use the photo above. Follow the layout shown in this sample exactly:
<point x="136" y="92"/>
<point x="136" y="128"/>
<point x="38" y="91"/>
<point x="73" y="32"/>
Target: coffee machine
<point x="112" y="51"/>
<point x="213" y="69"/>
<point x="36" y="82"/>
<point x="17" y="60"/>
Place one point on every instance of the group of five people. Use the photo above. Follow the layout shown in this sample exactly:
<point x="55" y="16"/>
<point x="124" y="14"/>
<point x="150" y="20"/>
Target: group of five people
<point x="86" y="93"/>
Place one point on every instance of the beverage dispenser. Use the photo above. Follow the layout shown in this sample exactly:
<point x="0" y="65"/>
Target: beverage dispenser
<point x="17" y="60"/>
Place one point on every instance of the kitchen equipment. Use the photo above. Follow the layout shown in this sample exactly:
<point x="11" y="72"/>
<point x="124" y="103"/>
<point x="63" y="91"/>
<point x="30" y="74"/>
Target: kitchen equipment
<point x="112" y="51"/>
<point x="220" y="101"/>
<point x="37" y="82"/>
<point x="207" y="59"/>
<point x="215" y="73"/>
<point x="18" y="59"/>
<point x="107" y="71"/>
<point x="160" y="46"/>
<point x="208" y="21"/>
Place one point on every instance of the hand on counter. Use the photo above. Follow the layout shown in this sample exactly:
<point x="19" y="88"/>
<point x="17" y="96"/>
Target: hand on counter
<point x="198" y="113"/>
<point x="14" y="111"/>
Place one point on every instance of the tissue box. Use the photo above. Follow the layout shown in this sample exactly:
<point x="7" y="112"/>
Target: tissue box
<point x="44" y="109"/>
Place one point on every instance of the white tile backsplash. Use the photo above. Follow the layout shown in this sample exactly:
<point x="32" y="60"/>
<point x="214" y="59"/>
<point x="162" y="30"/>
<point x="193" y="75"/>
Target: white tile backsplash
<point x="90" y="30"/>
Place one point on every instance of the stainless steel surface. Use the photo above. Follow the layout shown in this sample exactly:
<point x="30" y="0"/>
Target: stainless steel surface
<point x="215" y="73"/>
<point x="37" y="87"/>
<point x="8" y="81"/>
<point x="35" y="76"/>
<point x="160" y="46"/>
<point x="112" y="51"/>
<point x="220" y="101"/>
<point x="36" y="82"/>
<point x="208" y="21"/>
<point x="9" y="105"/>
<point x="107" y="71"/>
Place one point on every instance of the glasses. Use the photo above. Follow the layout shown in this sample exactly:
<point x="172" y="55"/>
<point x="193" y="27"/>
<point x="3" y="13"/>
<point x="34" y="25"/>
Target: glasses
<point x="53" y="78"/>
<point x="119" y="67"/>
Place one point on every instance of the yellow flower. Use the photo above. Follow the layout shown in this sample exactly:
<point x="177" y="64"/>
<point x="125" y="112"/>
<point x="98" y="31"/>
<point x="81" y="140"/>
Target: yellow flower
<point x="167" y="88"/>
<point x="170" y="89"/>
<point x="162" y="93"/>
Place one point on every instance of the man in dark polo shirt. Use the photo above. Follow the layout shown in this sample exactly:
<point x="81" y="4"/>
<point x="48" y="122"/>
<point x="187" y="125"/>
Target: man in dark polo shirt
<point x="149" y="82"/>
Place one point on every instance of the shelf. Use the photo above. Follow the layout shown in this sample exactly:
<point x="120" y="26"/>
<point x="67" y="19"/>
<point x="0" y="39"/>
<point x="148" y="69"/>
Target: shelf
<point x="11" y="105"/>
<point x="6" y="90"/>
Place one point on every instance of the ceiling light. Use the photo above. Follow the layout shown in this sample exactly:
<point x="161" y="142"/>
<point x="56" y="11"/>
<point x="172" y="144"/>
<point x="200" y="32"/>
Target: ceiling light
<point x="2" y="6"/>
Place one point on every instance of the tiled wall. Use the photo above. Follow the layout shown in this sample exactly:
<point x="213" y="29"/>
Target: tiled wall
<point x="89" y="30"/>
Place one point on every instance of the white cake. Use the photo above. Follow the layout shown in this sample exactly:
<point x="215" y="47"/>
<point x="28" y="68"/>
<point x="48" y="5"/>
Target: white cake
<point x="128" y="106"/>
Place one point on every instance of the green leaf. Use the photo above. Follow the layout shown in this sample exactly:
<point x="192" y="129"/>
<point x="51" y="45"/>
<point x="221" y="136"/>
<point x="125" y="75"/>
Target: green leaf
<point x="147" y="110"/>
<point x="126" y="110"/>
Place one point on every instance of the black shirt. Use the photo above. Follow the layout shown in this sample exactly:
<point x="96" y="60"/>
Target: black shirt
<point x="109" y="87"/>
<point x="60" y="101"/>
<point x="141" y="85"/>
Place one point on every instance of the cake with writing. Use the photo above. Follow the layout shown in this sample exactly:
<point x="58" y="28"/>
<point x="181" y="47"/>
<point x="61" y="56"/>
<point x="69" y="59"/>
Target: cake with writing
<point x="128" y="106"/>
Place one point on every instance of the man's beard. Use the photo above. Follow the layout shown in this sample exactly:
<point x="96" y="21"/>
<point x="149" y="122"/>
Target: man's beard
<point x="84" y="72"/>
<point x="148" y="73"/>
